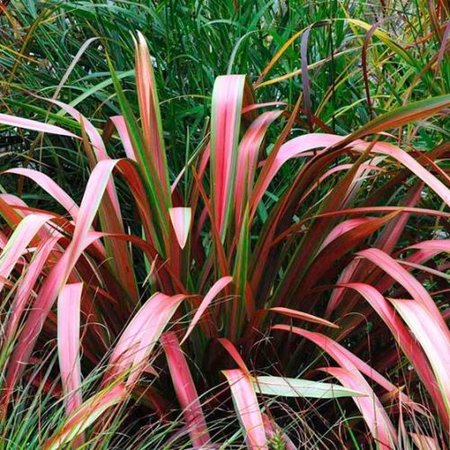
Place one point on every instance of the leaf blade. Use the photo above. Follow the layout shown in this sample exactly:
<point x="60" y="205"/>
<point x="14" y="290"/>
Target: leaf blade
<point x="247" y="408"/>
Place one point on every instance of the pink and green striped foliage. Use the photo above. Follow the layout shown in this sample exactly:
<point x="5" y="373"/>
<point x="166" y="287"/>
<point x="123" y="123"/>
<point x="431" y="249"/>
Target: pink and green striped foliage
<point x="254" y="274"/>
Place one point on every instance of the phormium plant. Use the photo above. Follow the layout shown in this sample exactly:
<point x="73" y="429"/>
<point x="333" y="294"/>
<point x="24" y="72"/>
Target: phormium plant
<point x="218" y="285"/>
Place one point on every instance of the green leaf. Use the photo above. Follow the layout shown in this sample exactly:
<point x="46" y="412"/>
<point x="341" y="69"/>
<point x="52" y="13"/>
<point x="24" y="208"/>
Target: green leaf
<point x="295" y="387"/>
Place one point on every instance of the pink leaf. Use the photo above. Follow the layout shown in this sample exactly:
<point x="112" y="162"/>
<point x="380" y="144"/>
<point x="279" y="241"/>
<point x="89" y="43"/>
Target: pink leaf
<point x="25" y="287"/>
<point x="225" y="124"/>
<point x="301" y="145"/>
<point x="186" y="391"/>
<point x="293" y="148"/>
<point x="181" y="222"/>
<point x="121" y="127"/>
<point x="302" y="316"/>
<point x="209" y="297"/>
<point x="130" y="355"/>
<point x="19" y="241"/>
<point x="403" y="277"/>
<point x="434" y="336"/>
<point x="33" y="125"/>
<point x="98" y="145"/>
<point x="46" y="183"/>
<point x="233" y="352"/>
<point x="247" y="408"/>
<point x="94" y="135"/>
<point x="342" y="228"/>
<point x="149" y="109"/>
<point x="69" y="346"/>
<point x="338" y="293"/>
<point x="248" y="159"/>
